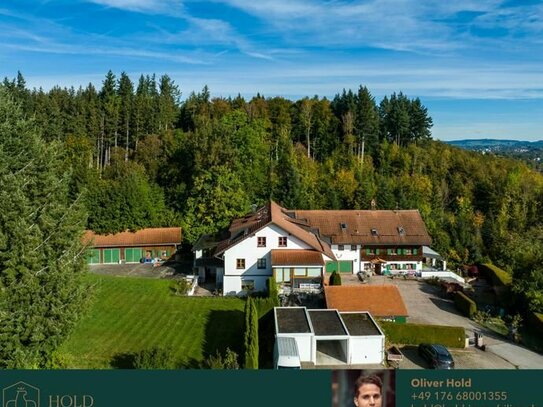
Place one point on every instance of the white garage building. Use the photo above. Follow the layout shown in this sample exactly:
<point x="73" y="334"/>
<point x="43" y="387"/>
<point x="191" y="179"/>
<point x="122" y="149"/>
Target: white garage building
<point x="328" y="337"/>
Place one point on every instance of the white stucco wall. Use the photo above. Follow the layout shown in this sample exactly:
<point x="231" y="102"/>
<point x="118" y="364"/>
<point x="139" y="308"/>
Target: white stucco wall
<point x="367" y="349"/>
<point x="248" y="249"/>
<point x="348" y="254"/>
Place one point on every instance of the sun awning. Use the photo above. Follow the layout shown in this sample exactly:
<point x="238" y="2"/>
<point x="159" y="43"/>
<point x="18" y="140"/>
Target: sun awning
<point x="431" y="254"/>
<point x="295" y="257"/>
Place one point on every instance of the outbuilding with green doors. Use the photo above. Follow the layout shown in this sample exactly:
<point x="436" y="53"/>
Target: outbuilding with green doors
<point x="143" y="245"/>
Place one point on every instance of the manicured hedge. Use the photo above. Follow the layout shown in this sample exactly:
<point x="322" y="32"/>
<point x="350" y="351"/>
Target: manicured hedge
<point x="414" y="334"/>
<point x="465" y="304"/>
<point x="251" y="335"/>
<point x="335" y="278"/>
<point x="496" y="275"/>
<point x="273" y="292"/>
<point x="535" y="322"/>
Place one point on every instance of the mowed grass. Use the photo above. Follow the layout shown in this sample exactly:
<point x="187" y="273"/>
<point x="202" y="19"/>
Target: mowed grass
<point x="128" y="315"/>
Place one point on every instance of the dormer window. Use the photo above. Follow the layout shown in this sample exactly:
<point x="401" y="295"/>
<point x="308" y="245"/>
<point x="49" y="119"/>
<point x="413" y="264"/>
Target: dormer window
<point x="401" y="231"/>
<point x="374" y="232"/>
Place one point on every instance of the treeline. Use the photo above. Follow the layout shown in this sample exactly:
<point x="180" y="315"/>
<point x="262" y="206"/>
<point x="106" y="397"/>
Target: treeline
<point x="144" y="158"/>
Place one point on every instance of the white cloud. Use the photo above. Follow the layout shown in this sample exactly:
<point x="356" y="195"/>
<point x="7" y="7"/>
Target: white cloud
<point x="145" y="6"/>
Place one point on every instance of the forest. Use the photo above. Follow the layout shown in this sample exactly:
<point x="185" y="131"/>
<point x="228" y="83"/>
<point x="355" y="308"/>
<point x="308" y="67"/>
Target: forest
<point x="137" y="155"/>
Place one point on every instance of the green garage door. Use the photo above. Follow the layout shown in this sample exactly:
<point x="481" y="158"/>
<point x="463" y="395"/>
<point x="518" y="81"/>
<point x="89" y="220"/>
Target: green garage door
<point x="112" y="255"/>
<point x="132" y="255"/>
<point x="94" y="256"/>
<point x="345" y="266"/>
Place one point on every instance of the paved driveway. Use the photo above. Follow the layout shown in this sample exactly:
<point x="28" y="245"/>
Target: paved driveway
<point x="425" y="304"/>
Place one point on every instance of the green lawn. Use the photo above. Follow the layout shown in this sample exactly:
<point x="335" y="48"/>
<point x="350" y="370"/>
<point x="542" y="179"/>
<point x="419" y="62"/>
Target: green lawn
<point x="131" y="314"/>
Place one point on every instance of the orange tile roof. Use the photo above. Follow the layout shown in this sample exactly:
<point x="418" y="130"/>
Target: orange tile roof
<point x="242" y="228"/>
<point x="143" y="237"/>
<point x="379" y="300"/>
<point x="296" y="257"/>
<point x="359" y="225"/>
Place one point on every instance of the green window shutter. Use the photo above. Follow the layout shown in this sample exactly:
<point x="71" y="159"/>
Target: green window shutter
<point x="389" y="251"/>
<point x="376" y="251"/>
<point x="415" y="251"/>
<point x="368" y="252"/>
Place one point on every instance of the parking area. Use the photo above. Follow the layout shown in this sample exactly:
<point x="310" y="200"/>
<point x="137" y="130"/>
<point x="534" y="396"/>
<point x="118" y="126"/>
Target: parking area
<point x="426" y="304"/>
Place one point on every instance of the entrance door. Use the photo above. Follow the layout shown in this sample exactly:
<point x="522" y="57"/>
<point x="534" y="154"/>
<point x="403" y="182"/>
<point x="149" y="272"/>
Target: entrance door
<point x="378" y="268"/>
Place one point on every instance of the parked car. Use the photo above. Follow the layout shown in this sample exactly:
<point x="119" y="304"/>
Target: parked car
<point x="436" y="355"/>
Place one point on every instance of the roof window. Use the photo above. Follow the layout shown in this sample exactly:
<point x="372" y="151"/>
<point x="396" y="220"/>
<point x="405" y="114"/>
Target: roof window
<point x="401" y="231"/>
<point x="343" y="226"/>
<point x="374" y="232"/>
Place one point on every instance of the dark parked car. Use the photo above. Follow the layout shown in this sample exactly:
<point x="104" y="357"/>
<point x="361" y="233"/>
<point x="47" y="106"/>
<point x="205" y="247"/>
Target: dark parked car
<point x="436" y="355"/>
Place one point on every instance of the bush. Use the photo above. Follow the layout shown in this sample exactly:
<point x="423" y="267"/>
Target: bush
<point x="181" y="286"/>
<point x="272" y="289"/>
<point x="414" y="334"/>
<point x="218" y="361"/>
<point x="496" y="275"/>
<point x="154" y="358"/>
<point x="535" y="322"/>
<point x="465" y="304"/>
<point x="251" y="334"/>
<point x="335" y="278"/>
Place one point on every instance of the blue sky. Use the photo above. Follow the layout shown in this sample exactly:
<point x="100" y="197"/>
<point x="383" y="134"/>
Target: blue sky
<point x="476" y="64"/>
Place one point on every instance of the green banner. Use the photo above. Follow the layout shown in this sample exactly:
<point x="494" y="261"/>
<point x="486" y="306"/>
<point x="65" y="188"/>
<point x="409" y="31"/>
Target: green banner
<point x="134" y="388"/>
<point x="164" y="388"/>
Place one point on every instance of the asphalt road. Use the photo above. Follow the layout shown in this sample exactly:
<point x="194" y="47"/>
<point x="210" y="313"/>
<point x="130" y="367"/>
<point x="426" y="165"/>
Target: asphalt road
<point x="425" y="304"/>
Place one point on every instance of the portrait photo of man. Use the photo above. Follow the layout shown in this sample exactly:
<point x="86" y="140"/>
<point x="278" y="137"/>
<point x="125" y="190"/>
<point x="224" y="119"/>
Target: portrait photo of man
<point x="363" y="388"/>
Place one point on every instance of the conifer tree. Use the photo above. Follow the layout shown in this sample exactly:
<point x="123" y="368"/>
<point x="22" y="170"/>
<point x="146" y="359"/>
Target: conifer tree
<point x="41" y="255"/>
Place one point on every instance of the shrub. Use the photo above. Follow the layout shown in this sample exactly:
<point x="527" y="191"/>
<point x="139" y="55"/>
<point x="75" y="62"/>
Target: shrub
<point x="414" y="334"/>
<point x="154" y="358"/>
<point x="272" y="289"/>
<point x="218" y="361"/>
<point x="465" y="304"/>
<point x="335" y="278"/>
<point x="496" y="275"/>
<point x="181" y="286"/>
<point x="535" y="322"/>
<point x="251" y="334"/>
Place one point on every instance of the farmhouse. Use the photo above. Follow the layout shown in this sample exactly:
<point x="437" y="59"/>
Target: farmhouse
<point x="384" y="302"/>
<point x="297" y="247"/>
<point x="132" y="247"/>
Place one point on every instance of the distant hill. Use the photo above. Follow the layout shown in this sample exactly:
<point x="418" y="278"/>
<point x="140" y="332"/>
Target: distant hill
<point x="496" y="145"/>
<point x="531" y="152"/>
